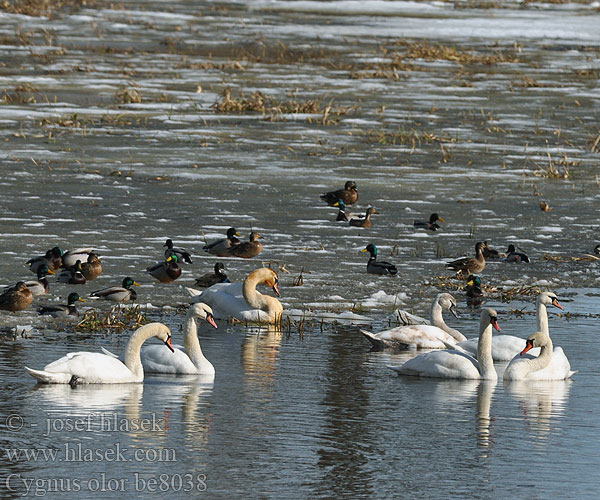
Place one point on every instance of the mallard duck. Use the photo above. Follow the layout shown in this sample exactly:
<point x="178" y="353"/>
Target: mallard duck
<point x="182" y="254"/>
<point x="70" y="257"/>
<point x="16" y="298"/>
<point x="221" y="247"/>
<point x="73" y="275"/>
<point x="60" y="311"/>
<point x="247" y="249"/>
<point x="378" y="267"/>
<point x="431" y="225"/>
<point x="475" y="295"/>
<point x="489" y="252"/>
<point x="92" y="268"/>
<point x="470" y="265"/>
<point x="41" y="286"/>
<point x="366" y="221"/>
<point x="167" y="271"/>
<point x="122" y="293"/>
<point x="52" y="260"/>
<point x="349" y="194"/>
<point x="343" y="215"/>
<point x="513" y="256"/>
<point x="211" y="279"/>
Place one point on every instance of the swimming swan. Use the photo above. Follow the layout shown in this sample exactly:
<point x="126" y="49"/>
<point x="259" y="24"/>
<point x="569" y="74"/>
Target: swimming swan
<point x="506" y="347"/>
<point x="431" y="336"/>
<point x="457" y="364"/>
<point x="551" y="364"/>
<point x="157" y="359"/>
<point x="96" y="368"/>
<point x="243" y="301"/>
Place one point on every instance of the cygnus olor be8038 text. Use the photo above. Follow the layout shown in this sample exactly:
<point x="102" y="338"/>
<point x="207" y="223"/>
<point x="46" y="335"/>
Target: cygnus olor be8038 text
<point x="457" y="364"/>
<point x="434" y="336"/>
<point x="96" y="368"/>
<point x="243" y="301"/>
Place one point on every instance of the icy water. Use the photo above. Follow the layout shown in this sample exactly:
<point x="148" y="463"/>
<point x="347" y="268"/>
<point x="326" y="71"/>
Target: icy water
<point x="116" y="136"/>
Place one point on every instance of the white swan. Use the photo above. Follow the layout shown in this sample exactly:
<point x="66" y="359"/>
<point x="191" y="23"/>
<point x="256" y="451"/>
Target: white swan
<point x="457" y="364"/>
<point x="191" y="361"/>
<point x="506" y="347"/>
<point x="434" y="336"/>
<point x="551" y="364"/>
<point x="96" y="368"/>
<point x="243" y="301"/>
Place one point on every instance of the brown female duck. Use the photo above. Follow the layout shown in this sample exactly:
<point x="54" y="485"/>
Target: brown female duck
<point x="349" y="195"/>
<point x="92" y="268"/>
<point x="470" y="265"/>
<point x="16" y="298"/>
<point x="167" y="271"/>
<point x="366" y="221"/>
<point x="247" y="249"/>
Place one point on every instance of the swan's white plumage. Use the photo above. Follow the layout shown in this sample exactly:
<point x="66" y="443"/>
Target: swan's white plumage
<point x="456" y="364"/>
<point x="157" y="358"/>
<point x="95" y="368"/>
<point x="559" y="368"/>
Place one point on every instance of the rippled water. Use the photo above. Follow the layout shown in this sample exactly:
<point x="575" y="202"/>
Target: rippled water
<point x="309" y="412"/>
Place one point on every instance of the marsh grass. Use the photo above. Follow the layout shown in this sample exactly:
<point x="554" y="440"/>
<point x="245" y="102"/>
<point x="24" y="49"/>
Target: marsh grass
<point x="37" y="8"/>
<point x="118" y="318"/>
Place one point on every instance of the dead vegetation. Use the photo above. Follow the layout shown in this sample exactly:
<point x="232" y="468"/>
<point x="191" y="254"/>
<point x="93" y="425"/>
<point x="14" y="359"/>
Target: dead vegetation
<point x="118" y="318"/>
<point x="37" y="8"/>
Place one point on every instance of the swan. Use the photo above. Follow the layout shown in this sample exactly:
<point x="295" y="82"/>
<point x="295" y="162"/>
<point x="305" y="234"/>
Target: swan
<point x="457" y="364"/>
<point x="95" y="368"/>
<point x="551" y="364"/>
<point x="434" y="336"/>
<point x="506" y="347"/>
<point x="243" y="301"/>
<point x="191" y="361"/>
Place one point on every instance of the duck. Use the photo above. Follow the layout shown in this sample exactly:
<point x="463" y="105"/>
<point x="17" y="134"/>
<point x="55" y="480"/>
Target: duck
<point x="453" y="364"/>
<point x="73" y="275"/>
<point x="61" y="311"/>
<point x="96" y="368"/>
<point x="366" y="220"/>
<point x="16" y="298"/>
<point x="187" y="361"/>
<point x="506" y="347"/>
<point x="474" y="292"/>
<point x="122" y="293"/>
<point x="52" y="260"/>
<point x="247" y="249"/>
<point x="182" y="254"/>
<point x="41" y="285"/>
<point x="378" y="267"/>
<point x="551" y="364"/>
<point x="435" y="336"/>
<point x="431" y="224"/>
<point x="211" y="279"/>
<point x="242" y="301"/>
<point x="70" y="257"/>
<point x="349" y="195"/>
<point x="222" y="246"/>
<point x="469" y="265"/>
<point x="167" y="271"/>
<point x="489" y="252"/>
<point x="92" y="268"/>
<point x="343" y="215"/>
<point x="513" y="256"/>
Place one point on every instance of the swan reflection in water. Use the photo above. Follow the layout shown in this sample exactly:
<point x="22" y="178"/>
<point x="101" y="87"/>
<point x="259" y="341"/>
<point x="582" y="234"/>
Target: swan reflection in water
<point x="542" y="402"/>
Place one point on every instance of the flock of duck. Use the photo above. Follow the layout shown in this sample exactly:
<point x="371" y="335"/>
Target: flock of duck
<point x="451" y="354"/>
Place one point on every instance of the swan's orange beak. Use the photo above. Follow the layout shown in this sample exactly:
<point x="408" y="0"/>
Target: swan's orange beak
<point x="168" y="343"/>
<point x="495" y="324"/>
<point x="528" y="346"/>
<point x="556" y="304"/>
<point x="211" y="319"/>
<point x="276" y="288"/>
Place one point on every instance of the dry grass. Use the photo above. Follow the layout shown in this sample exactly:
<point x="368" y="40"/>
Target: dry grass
<point x="439" y="52"/>
<point x="556" y="169"/>
<point x="38" y="8"/>
<point x="118" y="318"/>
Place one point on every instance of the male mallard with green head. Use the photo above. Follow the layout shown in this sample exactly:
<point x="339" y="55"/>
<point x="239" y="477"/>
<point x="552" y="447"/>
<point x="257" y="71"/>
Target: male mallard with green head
<point x="61" y="311"/>
<point x="378" y="267"/>
<point x="221" y="247"/>
<point x="122" y="293"/>
<point x="167" y="271"/>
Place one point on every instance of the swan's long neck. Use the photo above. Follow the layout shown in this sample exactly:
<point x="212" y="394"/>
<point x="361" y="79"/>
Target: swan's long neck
<point x="132" y="351"/>
<point x="543" y="360"/>
<point x="191" y="342"/>
<point x="257" y="300"/>
<point x="437" y="319"/>
<point x="542" y="318"/>
<point x="484" y="351"/>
